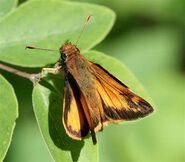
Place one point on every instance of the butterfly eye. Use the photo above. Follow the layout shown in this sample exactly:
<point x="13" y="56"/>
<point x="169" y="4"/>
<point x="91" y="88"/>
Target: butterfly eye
<point x="63" y="56"/>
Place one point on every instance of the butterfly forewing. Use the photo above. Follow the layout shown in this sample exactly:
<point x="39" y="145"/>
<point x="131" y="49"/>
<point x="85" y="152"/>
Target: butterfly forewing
<point x="118" y="102"/>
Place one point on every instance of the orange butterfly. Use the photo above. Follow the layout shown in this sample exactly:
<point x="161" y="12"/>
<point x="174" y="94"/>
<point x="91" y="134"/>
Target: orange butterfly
<point x="93" y="97"/>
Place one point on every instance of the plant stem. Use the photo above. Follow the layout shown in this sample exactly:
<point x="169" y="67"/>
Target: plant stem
<point x="31" y="77"/>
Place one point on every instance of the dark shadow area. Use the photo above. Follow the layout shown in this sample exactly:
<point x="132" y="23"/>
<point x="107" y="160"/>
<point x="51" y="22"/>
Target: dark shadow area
<point x="56" y="128"/>
<point x="182" y="52"/>
<point x="21" y="1"/>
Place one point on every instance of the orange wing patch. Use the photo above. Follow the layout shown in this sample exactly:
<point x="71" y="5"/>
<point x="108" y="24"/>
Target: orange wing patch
<point x="74" y="120"/>
<point x="118" y="102"/>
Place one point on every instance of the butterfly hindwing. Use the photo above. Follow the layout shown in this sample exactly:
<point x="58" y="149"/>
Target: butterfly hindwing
<point x="118" y="102"/>
<point x="74" y="120"/>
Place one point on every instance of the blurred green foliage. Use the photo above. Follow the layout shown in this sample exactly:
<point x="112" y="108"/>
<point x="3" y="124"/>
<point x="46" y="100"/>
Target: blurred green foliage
<point x="7" y="6"/>
<point x="149" y="38"/>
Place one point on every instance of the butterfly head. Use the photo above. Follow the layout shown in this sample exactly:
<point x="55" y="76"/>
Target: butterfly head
<point x="68" y="49"/>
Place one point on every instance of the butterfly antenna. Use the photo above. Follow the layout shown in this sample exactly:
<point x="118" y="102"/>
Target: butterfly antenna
<point x="36" y="48"/>
<point x="84" y="27"/>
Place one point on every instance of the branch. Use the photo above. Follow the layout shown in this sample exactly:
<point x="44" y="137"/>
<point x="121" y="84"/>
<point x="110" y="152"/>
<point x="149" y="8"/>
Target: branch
<point x="32" y="77"/>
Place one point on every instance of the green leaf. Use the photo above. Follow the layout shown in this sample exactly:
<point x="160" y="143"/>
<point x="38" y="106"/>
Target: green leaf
<point x="6" y="6"/>
<point x="47" y="102"/>
<point x="49" y="25"/>
<point x="8" y="115"/>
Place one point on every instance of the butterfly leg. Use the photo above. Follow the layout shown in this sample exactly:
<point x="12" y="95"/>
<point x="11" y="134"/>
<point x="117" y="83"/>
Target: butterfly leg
<point x="45" y="71"/>
<point x="53" y="70"/>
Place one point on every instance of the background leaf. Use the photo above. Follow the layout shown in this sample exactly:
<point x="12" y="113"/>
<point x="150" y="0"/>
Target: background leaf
<point x="49" y="25"/>
<point x="6" y="6"/>
<point x="8" y="115"/>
